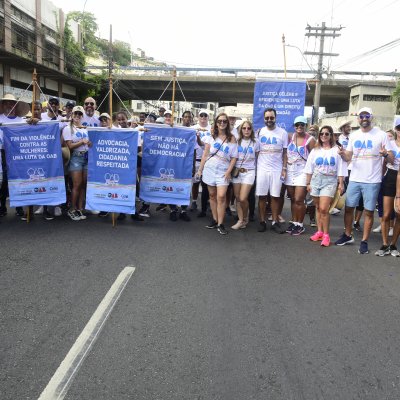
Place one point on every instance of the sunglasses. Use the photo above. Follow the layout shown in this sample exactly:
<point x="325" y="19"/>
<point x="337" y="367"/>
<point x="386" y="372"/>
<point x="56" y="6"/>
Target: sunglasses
<point x="203" y="115"/>
<point x="78" y="114"/>
<point x="222" y="121"/>
<point x="299" y="124"/>
<point x="246" y="128"/>
<point x="324" y="134"/>
<point x="89" y="103"/>
<point x="364" y="116"/>
<point x="269" y="118"/>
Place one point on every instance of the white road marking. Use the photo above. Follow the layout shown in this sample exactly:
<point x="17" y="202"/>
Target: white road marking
<point x="59" y="384"/>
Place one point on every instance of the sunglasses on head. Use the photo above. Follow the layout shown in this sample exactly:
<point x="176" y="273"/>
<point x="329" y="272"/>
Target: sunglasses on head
<point x="269" y="118"/>
<point x="299" y="124"/>
<point x="222" y="121"/>
<point x="89" y="103"/>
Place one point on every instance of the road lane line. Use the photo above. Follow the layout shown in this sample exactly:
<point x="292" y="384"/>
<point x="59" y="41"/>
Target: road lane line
<point x="59" y="384"/>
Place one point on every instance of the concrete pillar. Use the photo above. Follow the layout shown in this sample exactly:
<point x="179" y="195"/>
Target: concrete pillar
<point x="7" y="26"/>
<point x="39" y="37"/>
<point x="6" y="76"/>
<point x="60" y="89"/>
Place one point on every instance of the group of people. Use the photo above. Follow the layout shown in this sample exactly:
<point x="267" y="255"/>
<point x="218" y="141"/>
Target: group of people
<point x="236" y="162"/>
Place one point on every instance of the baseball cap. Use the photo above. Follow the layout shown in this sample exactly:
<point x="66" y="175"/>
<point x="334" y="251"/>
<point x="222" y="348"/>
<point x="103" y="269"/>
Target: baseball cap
<point x="300" y="118"/>
<point x="162" y="108"/>
<point x="104" y="115"/>
<point x="365" y="110"/>
<point x="204" y="111"/>
<point x="397" y="122"/>
<point x="78" y="109"/>
<point x="168" y="112"/>
<point x="54" y="100"/>
<point x="70" y="104"/>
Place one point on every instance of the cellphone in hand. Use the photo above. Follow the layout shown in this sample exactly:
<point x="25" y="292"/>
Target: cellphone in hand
<point x="338" y="144"/>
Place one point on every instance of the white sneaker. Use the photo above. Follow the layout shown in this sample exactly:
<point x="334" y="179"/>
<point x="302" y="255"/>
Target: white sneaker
<point x="378" y="229"/>
<point x="335" y="211"/>
<point x="238" y="225"/>
<point x="57" y="211"/>
<point x="391" y="232"/>
<point x="39" y="210"/>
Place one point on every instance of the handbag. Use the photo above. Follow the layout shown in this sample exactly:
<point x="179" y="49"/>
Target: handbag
<point x="236" y="170"/>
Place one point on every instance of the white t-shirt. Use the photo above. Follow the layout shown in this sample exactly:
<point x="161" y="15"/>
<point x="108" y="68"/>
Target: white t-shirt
<point x="325" y="162"/>
<point x="76" y="135"/>
<point x="247" y="150"/>
<point x="366" y="160"/>
<point x="203" y="134"/>
<point x="272" y="143"/>
<point x="90" y="121"/>
<point x="297" y="155"/>
<point x="5" y="120"/>
<point x="344" y="141"/>
<point x="223" y="153"/>
<point x="396" y="152"/>
<point x="45" y="117"/>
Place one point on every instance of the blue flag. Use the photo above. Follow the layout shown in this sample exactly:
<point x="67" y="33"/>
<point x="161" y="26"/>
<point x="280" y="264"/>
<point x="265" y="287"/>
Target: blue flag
<point x="112" y="161"/>
<point x="34" y="163"/>
<point x="167" y="164"/>
<point x="288" y="99"/>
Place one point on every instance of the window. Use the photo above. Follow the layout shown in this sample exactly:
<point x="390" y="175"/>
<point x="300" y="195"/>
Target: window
<point x="139" y="106"/>
<point x="376" y="97"/>
<point x="23" y="41"/>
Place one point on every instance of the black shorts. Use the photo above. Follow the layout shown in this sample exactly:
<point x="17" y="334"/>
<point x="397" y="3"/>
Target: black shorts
<point x="389" y="183"/>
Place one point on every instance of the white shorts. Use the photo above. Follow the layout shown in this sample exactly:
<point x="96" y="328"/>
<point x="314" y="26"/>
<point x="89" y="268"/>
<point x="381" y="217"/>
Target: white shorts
<point x="296" y="178"/>
<point x="268" y="182"/>
<point x="214" y="174"/>
<point x="246" y="178"/>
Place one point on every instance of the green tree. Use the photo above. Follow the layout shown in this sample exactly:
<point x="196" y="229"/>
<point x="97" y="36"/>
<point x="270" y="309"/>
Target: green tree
<point x="89" y="28"/>
<point x="73" y="55"/>
<point x="396" y="97"/>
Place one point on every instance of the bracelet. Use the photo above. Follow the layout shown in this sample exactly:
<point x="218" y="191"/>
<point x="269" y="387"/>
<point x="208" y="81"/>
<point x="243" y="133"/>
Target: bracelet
<point x="284" y="168"/>
<point x="397" y="197"/>
<point x="308" y="184"/>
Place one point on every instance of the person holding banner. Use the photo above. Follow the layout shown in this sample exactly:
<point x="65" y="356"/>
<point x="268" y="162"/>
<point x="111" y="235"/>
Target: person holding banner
<point x="12" y="111"/>
<point x="298" y="150"/>
<point x="77" y="140"/>
<point x="248" y="149"/>
<point x="219" y="158"/>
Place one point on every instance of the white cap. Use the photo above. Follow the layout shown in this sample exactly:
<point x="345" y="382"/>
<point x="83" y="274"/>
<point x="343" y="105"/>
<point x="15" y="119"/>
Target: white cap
<point x="397" y="122"/>
<point x="204" y="111"/>
<point x="365" y="110"/>
<point x="167" y="112"/>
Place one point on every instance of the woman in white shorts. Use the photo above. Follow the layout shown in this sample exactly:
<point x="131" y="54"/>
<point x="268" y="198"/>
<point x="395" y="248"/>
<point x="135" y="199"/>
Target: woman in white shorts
<point x="325" y="173"/>
<point x="298" y="149"/>
<point x="248" y="149"/>
<point x="217" y="162"/>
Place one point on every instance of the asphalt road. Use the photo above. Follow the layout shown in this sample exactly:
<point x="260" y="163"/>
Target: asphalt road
<point x="247" y="316"/>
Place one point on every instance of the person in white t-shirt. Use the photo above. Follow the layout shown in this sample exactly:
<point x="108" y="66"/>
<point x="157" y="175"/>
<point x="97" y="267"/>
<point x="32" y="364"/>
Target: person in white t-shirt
<point x="248" y="149"/>
<point x="77" y="140"/>
<point x="325" y="172"/>
<point x="219" y="158"/>
<point x="90" y="118"/>
<point x="52" y="114"/>
<point x="271" y="169"/>
<point x="12" y="111"/>
<point x="203" y="129"/>
<point x="365" y="150"/>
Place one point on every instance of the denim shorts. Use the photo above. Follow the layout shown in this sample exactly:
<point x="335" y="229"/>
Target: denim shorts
<point x="78" y="162"/>
<point x="323" y="185"/>
<point x="368" y="191"/>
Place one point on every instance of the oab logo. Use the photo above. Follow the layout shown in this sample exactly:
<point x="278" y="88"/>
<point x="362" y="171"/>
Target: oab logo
<point x="224" y="149"/>
<point x="35" y="174"/>
<point x="113" y="195"/>
<point x="247" y="149"/>
<point x="39" y="189"/>
<point x="325" y="161"/>
<point x="362" y="144"/>
<point x="300" y="149"/>
<point x="267" y="140"/>
<point x="167" y="189"/>
<point x="166" y="173"/>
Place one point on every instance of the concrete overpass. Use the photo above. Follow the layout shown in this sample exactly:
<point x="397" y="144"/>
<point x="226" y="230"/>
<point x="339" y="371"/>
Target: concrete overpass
<point x="233" y="86"/>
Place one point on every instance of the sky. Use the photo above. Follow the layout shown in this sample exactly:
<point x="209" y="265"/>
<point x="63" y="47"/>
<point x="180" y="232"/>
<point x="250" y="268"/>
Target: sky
<point x="217" y="33"/>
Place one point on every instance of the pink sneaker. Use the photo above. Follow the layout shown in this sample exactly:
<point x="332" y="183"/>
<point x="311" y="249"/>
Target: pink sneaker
<point x="317" y="236"/>
<point x="326" y="240"/>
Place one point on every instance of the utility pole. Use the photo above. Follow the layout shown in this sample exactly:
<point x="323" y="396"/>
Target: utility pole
<point x="321" y="32"/>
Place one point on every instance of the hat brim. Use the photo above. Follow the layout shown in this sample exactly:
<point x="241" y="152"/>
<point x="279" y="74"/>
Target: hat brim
<point x="22" y="108"/>
<point x="338" y="201"/>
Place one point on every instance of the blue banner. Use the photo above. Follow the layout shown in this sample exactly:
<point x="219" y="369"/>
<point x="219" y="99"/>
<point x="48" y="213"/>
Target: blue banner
<point x="167" y="164"/>
<point x="112" y="161"/>
<point x="35" y="165"/>
<point x="288" y="99"/>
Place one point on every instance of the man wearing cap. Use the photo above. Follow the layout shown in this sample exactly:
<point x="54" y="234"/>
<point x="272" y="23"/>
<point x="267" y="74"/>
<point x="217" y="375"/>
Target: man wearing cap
<point x="365" y="150"/>
<point x="52" y="110"/>
<point x="203" y="130"/>
<point x="90" y="118"/>
<point x="271" y="168"/>
<point x="13" y="111"/>
<point x="161" y="111"/>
